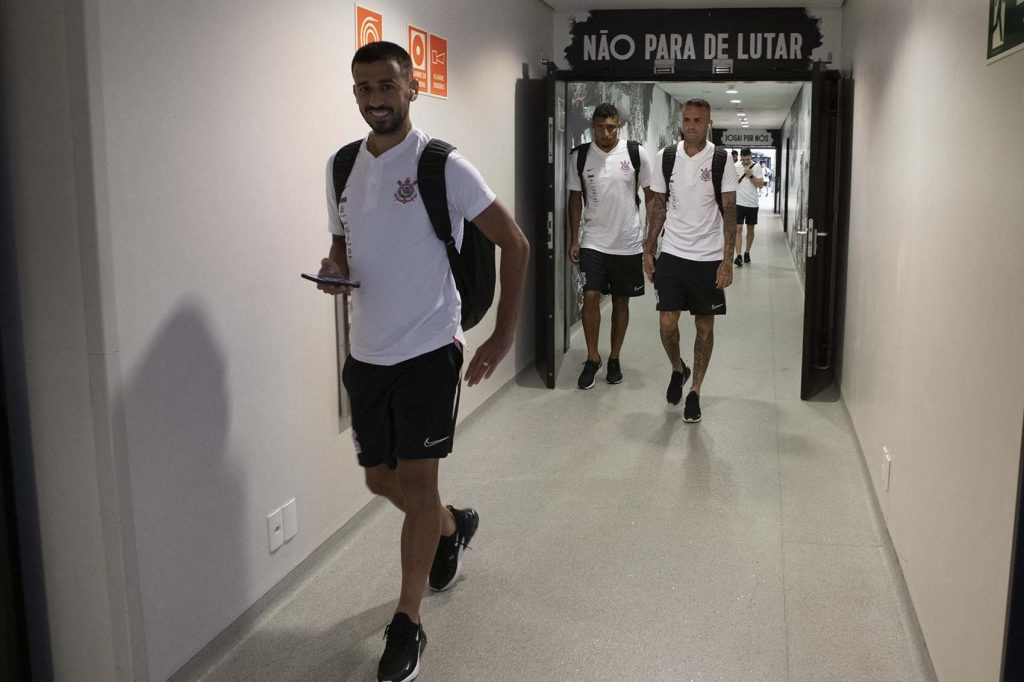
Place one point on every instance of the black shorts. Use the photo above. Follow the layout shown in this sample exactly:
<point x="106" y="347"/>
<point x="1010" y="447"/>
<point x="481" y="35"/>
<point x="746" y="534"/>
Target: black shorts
<point x="746" y="214"/>
<point x="683" y="284"/>
<point x="612" y="274"/>
<point x="404" y="411"/>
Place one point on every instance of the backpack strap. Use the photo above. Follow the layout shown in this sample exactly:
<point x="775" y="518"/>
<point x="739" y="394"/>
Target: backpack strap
<point x="433" y="190"/>
<point x="668" y="164"/>
<point x="344" y="160"/>
<point x="717" y="168"/>
<point x="633" y="148"/>
<point x="581" y="163"/>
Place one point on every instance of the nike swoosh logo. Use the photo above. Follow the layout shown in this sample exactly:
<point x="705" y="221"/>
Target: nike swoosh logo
<point x="427" y="443"/>
<point x="638" y="288"/>
<point x="716" y="307"/>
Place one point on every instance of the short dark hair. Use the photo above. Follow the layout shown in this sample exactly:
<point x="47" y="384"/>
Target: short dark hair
<point x="745" y="151"/>
<point x="735" y="153"/>
<point x="382" y="51"/>
<point x="698" y="102"/>
<point x="604" y="110"/>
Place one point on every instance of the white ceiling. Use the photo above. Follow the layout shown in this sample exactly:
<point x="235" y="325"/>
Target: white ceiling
<point x="584" y="5"/>
<point x="766" y="103"/>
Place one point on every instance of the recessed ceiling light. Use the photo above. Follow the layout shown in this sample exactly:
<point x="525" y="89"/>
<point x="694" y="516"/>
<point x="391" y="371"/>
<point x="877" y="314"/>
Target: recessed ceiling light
<point x="735" y="101"/>
<point x="732" y="89"/>
<point x="740" y="114"/>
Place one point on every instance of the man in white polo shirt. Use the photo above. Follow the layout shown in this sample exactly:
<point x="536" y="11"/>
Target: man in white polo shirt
<point x="610" y="250"/>
<point x="751" y="180"/>
<point x="402" y="376"/>
<point x="695" y="264"/>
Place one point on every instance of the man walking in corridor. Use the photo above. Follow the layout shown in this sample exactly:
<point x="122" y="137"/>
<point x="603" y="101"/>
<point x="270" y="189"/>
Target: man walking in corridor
<point x="402" y="376"/>
<point x="604" y="178"/>
<point x="751" y="180"/>
<point x="695" y="202"/>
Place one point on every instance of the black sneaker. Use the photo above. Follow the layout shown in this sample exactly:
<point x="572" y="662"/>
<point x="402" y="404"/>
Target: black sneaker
<point x="405" y="643"/>
<point x="450" y="548"/>
<point x="691" y="411"/>
<point x="738" y="262"/>
<point x="675" y="387"/>
<point x="746" y="256"/>
<point x="614" y="375"/>
<point x="589" y="374"/>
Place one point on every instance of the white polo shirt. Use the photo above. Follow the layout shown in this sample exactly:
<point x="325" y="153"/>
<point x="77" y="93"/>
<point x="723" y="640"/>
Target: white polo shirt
<point x="611" y="221"/>
<point x="407" y="304"/>
<point x="746" y="193"/>
<point x="693" y="224"/>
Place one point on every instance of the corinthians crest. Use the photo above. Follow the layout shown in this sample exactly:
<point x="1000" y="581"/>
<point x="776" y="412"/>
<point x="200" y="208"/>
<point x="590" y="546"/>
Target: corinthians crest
<point x="406" y="191"/>
<point x="705" y="174"/>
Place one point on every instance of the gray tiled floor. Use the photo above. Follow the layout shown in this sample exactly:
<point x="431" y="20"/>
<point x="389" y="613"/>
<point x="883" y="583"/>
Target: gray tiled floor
<point x="619" y="543"/>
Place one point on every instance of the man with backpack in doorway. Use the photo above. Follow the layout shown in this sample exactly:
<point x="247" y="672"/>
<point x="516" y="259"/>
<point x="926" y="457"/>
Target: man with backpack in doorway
<point x="604" y="190"/>
<point x="396" y="204"/>
<point x="695" y="202"/>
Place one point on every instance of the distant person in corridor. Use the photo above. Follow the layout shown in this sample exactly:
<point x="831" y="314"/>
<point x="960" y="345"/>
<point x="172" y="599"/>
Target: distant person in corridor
<point x="695" y="263"/>
<point x="751" y="180"/>
<point x="610" y="249"/>
<point x="403" y="376"/>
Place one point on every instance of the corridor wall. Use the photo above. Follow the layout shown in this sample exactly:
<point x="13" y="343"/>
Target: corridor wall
<point x="932" y="367"/>
<point x="167" y="163"/>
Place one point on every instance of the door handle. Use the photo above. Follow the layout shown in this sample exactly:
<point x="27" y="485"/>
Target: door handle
<point x="551" y="231"/>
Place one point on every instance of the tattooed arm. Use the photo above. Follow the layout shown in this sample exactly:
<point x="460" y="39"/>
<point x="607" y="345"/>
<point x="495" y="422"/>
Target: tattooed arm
<point x="575" y="212"/>
<point x="724" y="278"/>
<point x="655" y="222"/>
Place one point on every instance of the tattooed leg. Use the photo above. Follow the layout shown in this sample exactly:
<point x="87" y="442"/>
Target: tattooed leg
<point x="702" y="346"/>
<point x="670" y="338"/>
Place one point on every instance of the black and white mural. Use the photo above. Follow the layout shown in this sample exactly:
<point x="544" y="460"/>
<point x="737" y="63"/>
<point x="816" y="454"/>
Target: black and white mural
<point x="648" y="114"/>
<point x="796" y="132"/>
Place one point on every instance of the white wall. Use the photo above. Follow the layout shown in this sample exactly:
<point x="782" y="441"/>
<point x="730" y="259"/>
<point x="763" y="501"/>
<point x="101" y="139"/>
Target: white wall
<point x="932" y="365"/>
<point x="197" y="378"/>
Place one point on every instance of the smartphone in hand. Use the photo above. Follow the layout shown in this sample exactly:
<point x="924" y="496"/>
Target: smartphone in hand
<point x="331" y="281"/>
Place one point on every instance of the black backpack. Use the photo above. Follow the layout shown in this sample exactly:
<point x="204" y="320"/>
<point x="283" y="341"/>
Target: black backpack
<point x="634" y="156"/>
<point x="473" y="267"/>
<point x="668" y="163"/>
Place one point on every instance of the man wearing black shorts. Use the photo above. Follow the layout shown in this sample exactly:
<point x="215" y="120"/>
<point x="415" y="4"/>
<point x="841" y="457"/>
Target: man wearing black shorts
<point x="402" y="375"/>
<point x="751" y="180"/>
<point x="610" y="250"/>
<point x="695" y="265"/>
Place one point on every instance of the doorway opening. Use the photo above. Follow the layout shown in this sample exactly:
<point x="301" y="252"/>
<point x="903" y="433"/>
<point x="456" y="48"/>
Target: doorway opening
<point x="775" y="119"/>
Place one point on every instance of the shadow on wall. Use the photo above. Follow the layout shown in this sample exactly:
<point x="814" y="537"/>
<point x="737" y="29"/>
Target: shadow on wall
<point x="187" y="499"/>
<point x="21" y="653"/>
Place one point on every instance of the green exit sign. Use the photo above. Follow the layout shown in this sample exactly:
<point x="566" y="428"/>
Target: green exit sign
<point x="1005" y="28"/>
